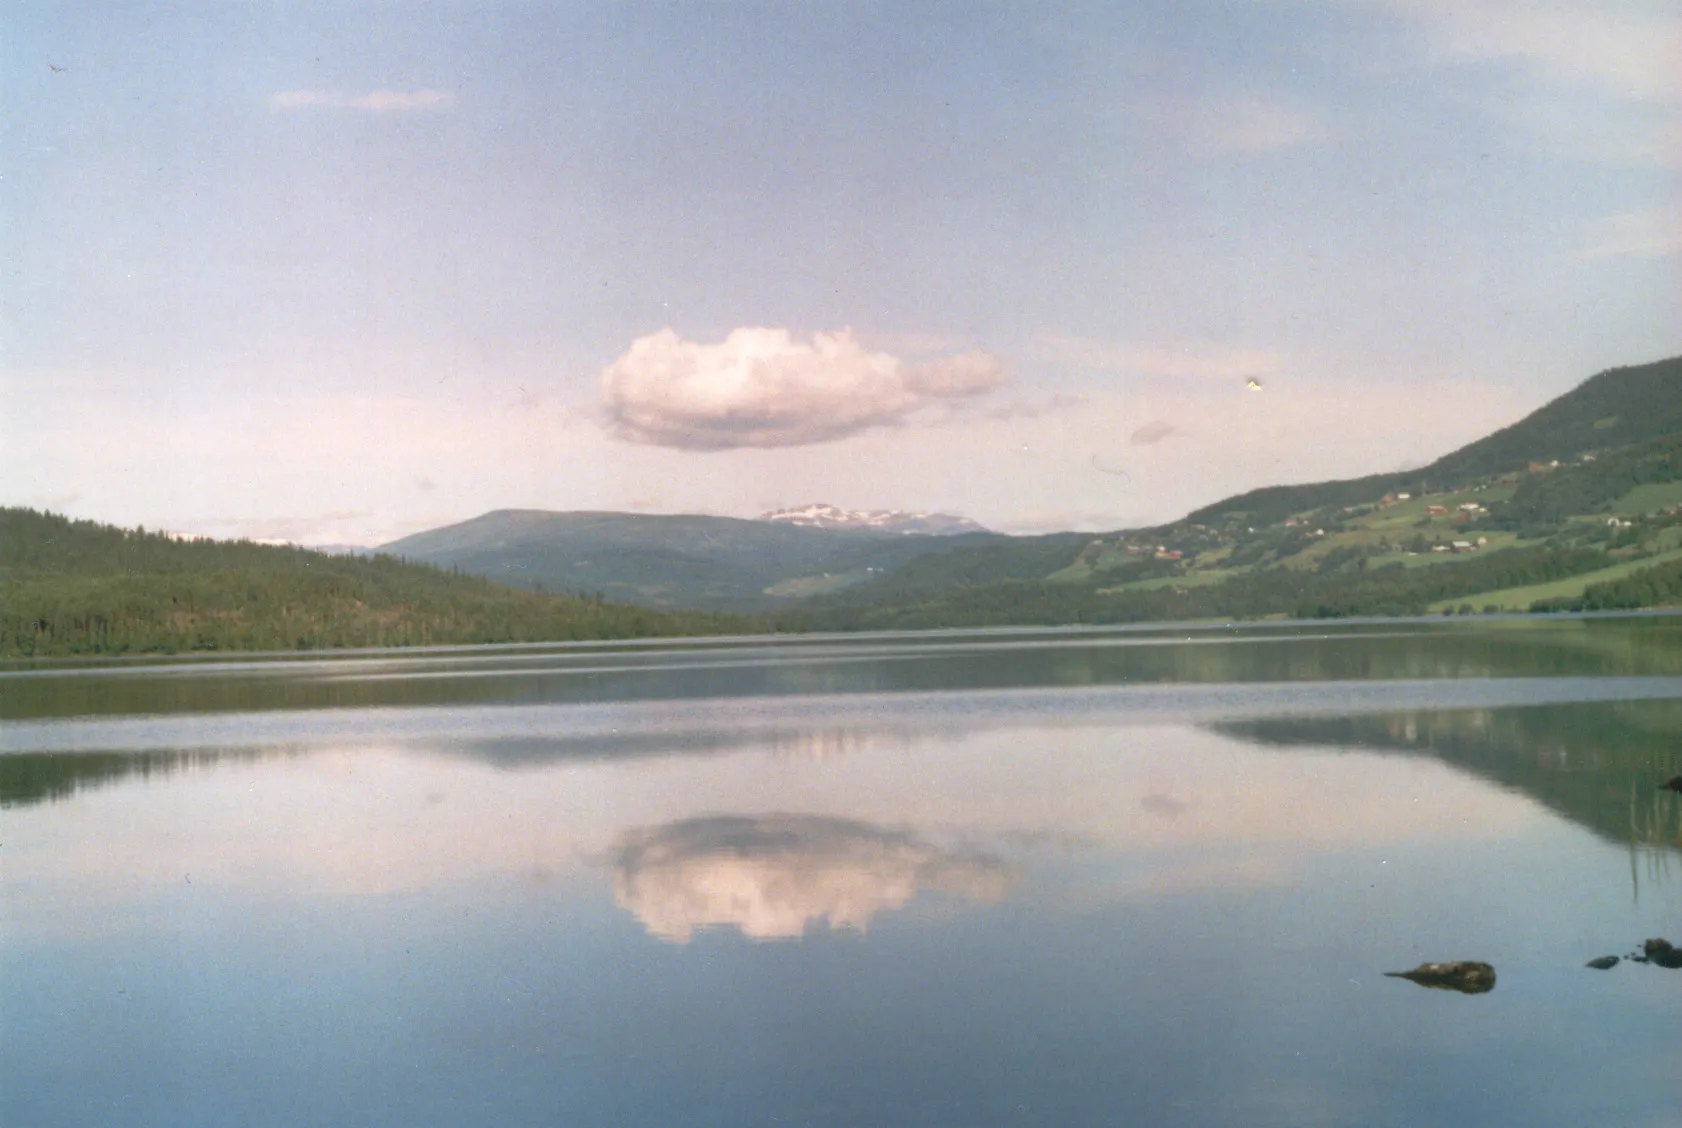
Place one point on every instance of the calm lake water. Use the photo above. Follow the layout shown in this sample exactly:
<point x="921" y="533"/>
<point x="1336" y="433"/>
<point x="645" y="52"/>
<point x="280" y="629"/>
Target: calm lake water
<point x="1092" y="877"/>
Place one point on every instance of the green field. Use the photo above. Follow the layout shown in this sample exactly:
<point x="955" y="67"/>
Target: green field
<point x="1520" y="599"/>
<point x="1187" y="580"/>
<point x="1649" y="498"/>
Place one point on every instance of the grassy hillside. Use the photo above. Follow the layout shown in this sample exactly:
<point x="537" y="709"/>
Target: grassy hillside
<point x="668" y="561"/>
<point x="1574" y="589"/>
<point x="1576" y="506"/>
<point x="77" y="587"/>
<point x="1619" y="408"/>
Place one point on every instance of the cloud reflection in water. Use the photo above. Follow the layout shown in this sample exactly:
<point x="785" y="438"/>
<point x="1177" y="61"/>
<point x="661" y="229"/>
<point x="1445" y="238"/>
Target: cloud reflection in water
<point x="772" y="875"/>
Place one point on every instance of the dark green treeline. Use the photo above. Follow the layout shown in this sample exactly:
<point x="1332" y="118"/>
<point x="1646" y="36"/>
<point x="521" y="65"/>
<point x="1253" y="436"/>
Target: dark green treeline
<point x="79" y="587"/>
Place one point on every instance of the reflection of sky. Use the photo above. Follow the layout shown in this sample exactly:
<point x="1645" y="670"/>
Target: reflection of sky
<point x="370" y="819"/>
<point x="602" y="724"/>
<point x="1192" y="932"/>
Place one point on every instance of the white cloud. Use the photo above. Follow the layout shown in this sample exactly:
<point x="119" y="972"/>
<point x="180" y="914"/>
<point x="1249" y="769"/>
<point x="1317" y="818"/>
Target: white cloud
<point x="1653" y="233"/>
<point x="764" y="388"/>
<point x="375" y="101"/>
<point x="911" y="344"/>
<point x="770" y="876"/>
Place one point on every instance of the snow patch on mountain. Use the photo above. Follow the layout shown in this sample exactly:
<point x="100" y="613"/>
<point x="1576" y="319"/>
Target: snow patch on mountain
<point x="873" y="520"/>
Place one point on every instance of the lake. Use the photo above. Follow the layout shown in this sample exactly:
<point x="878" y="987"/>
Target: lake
<point x="1142" y="876"/>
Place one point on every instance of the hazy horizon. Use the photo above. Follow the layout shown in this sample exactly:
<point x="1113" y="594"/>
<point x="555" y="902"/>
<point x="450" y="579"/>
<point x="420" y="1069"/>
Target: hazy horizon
<point x="336" y="274"/>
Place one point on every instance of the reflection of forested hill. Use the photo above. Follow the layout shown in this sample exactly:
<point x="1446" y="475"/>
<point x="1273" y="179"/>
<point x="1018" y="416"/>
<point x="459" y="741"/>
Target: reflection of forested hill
<point x="1599" y="765"/>
<point x="1427" y="651"/>
<point x="30" y="778"/>
<point x="1436" y="648"/>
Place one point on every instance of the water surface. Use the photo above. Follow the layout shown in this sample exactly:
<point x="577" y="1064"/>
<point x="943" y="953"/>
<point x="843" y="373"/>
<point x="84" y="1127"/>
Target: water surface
<point x="1089" y="877"/>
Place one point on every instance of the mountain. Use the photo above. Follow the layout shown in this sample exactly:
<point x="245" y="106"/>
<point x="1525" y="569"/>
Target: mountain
<point x="822" y="516"/>
<point x="670" y="561"/>
<point x="1517" y="518"/>
<point x="1619" y="408"/>
<point x="78" y="587"/>
<point x="1576" y="506"/>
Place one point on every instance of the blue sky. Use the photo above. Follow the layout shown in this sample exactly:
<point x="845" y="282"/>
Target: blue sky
<point x="335" y="272"/>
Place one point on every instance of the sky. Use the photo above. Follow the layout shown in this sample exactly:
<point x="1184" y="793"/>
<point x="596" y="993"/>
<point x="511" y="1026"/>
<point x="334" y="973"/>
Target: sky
<point x="336" y="273"/>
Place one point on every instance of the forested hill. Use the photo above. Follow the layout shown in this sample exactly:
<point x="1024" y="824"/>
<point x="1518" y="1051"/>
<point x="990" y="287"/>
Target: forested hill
<point x="79" y="587"/>
<point x="1621" y="407"/>
<point x="1577" y="506"/>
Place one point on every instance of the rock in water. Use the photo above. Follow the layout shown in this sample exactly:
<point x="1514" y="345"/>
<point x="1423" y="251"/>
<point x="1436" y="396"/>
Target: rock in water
<point x="1466" y="976"/>
<point x="1604" y="963"/>
<point x="1663" y="953"/>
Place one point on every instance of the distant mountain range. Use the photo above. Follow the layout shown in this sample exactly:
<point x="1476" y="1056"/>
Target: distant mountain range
<point x="1582" y="493"/>
<point x="1577" y="506"/>
<point x="873" y="521"/>
<point x="691" y="561"/>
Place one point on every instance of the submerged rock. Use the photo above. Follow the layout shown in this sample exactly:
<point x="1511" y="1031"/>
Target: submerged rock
<point x="1604" y="963"/>
<point x="1466" y="976"/>
<point x="1662" y="952"/>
